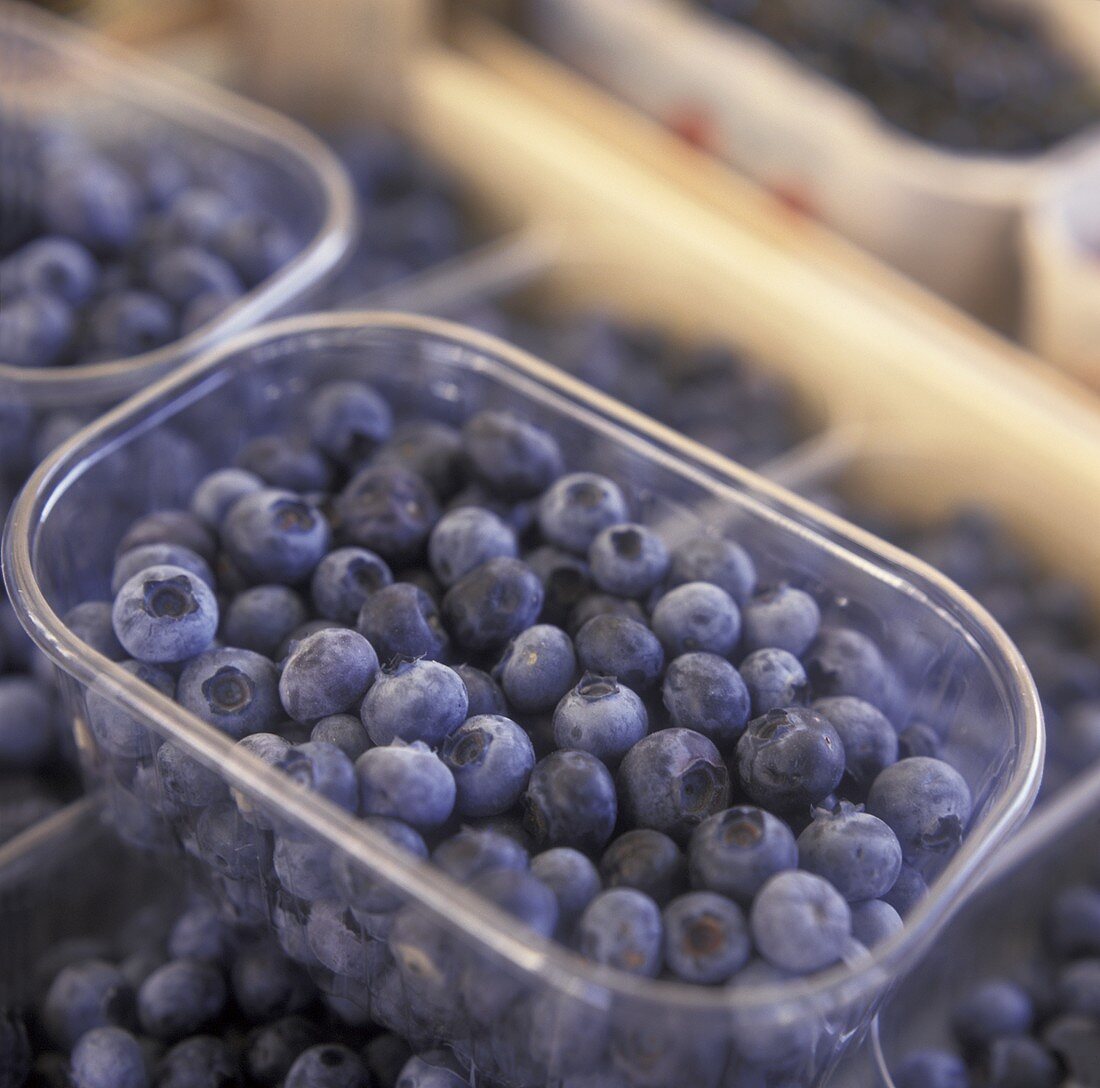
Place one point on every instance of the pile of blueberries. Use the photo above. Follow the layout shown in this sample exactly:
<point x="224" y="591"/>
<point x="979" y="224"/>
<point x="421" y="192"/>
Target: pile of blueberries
<point x="185" y="1001"/>
<point x="969" y="76"/>
<point x="108" y="252"/>
<point x="1048" y="616"/>
<point x="617" y="737"/>
<point x="708" y="392"/>
<point x="1040" y="1033"/>
<point x="411" y="214"/>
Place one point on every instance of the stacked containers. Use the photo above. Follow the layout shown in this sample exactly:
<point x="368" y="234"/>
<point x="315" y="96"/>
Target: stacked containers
<point x="947" y="218"/>
<point x="960" y="668"/>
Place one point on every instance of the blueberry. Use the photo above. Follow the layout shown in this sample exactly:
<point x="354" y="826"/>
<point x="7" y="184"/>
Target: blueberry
<point x="402" y="621"/>
<point x="272" y="1049"/>
<point x="621" y="647"/>
<point x="1022" y="1063"/>
<point x="521" y="895"/>
<point x="285" y="462"/>
<point x="697" y="616"/>
<point x="774" y="679"/>
<point x="202" y="1061"/>
<point x="932" y="1069"/>
<point x="706" y="938"/>
<point x="180" y="275"/>
<point x="180" y="998"/>
<point x="197" y="215"/>
<point x="483" y="692"/>
<point x="343" y="581"/>
<point x="235" y="690"/>
<point x="783" y="618"/>
<point x="35" y="330"/>
<point x="216" y="493"/>
<point x="671" y="781"/>
<point x="622" y="928"/>
<point x="572" y="878"/>
<point x="345" y="731"/>
<point x="855" y="851"/>
<point x="185" y="781"/>
<point x="389" y="510"/>
<point x="491" y="759"/>
<point x="719" y="562"/>
<point x="736" y="851"/>
<point x="415" y="700"/>
<point x="130" y="323"/>
<point x="790" y="758"/>
<point x="993" y="1009"/>
<point x="432" y="450"/>
<point x="85" y="995"/>
<point x="329" y="1065"/>
<point x="465" y="538"/>
<point x="570" y="801"/>
<point x="327" y="673"/>
<point x="58" y="266"/>
<point x="95" y="203"/>
<point x="565" y="581"/>
<point x="704" y="692"/>
<point x="870" y="741"/>
<point x="800" y="923"/>
<point x="159" y="555"/>
<point x="91" y="622"/>
<point x="386" y="1055"/>
<point x="348" y="420"/>
<point x="165" y="614"/>
<point x="927" y="804"/>
<point x="647" y="860"/>
<point x="324" y="769"/>
<point x="574" y="509"/>
<point x="408" y="782"/>
<point x="28" y="726"/>
<point x="1073" y="923"/>
<point x="302" y="868"/>
<point x="918" y="739"/>
<point x="364" y="890"/>
<point x="275" y="536"/>
<point x="262" y="618"/>
<point x="230" y="843"/>
<point x="908" y="890"/>
<point x="108" y="1057"/>
<point x="492" y="604"/>
<point x="841" y="661"/>
<point x="513" y="458"/>
<point x="1077" y="988"/>
<point x="473" y="851"/>
<point x="602" y="604"/>
<point x="1075" y="1041"/>
<point x="256" y="245"/>
<point x="199" y="933"/>
<point x="431" y="1069"/>
<point x="169" y="527"/>
<point x="600" y="716"/>
<point x="874" y="921"/>
<point x="628" y="560"/>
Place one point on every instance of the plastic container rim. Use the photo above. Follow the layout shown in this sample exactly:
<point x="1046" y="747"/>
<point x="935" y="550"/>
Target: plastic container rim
<point x="201" y="107"/>
<point x="503" y="935"/>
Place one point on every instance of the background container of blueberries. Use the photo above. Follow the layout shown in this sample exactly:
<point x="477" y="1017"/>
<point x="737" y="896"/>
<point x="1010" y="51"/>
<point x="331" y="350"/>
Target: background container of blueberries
<point x="918" y="134"/>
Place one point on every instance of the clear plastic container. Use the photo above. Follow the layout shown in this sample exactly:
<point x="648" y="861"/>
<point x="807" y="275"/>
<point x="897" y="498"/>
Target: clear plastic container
<point x="54" y="71"/>
<point x="1000" y="932"/>
<point x="524" y="1011"/>
<point x="68" y="878"/>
